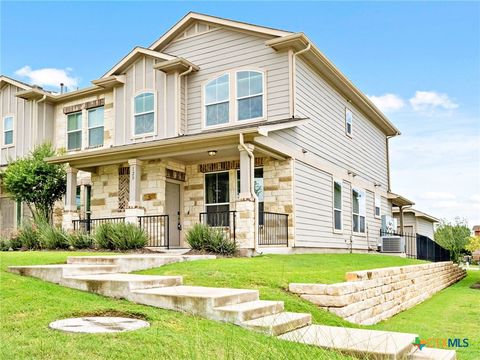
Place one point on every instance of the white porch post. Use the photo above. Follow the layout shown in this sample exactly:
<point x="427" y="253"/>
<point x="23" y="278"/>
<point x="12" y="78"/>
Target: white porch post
<point x="70" y="212"/>
<point x="134" y="210"/>
<point x="401" y="220"/>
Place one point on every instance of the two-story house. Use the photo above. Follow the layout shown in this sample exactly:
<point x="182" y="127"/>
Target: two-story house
<point x="240" y="126"/>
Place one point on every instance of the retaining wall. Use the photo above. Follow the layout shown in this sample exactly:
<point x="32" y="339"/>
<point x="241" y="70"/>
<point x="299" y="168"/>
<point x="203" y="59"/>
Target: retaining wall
<point x="370" y="296"/>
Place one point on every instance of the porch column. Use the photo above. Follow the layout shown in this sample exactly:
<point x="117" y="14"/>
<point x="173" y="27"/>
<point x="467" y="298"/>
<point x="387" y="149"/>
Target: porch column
<point x="70" y="212"/>
<point x="245" y="204"/>
<point x="134" y="210"/>
<point x="401" y="220"/>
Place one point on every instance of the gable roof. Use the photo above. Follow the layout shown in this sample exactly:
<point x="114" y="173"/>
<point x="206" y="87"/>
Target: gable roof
<point x="418" y="213"/>
<point x="7" y="80"/>
<point x="191" y="17"/>
<point x="133" y="55"/>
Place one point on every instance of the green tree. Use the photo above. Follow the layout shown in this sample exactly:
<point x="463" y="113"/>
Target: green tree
<point x="473" y="244"/>
<point x="453" y="236"/>
<point x="35" y="182"/>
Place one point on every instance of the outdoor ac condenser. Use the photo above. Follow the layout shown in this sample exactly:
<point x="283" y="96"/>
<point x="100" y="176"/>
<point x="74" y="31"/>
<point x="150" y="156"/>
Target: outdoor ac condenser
<point x="392" y="244"/>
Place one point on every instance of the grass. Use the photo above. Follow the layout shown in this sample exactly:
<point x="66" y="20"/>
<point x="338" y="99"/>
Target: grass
<point x="27" y="305"/>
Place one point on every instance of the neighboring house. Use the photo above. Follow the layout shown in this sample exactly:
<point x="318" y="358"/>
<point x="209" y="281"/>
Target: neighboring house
<point x="214" y="120"/>
<point x="476" y="230"/>
<point x="416" y="222"/>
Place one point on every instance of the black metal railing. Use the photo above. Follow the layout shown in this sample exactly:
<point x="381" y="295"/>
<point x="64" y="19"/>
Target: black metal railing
<point x="220" y="219"/>
<point x="157" y="228"/>
<point x="272" y="229"/>
<point x="420" y="247"/>
<point x="89" y="225"/>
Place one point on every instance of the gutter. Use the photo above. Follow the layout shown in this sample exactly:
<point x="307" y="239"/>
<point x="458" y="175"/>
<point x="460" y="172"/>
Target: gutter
<point x="252" y="192"/>
<point x="179" y="94"/>
<point x="294" y="76"/>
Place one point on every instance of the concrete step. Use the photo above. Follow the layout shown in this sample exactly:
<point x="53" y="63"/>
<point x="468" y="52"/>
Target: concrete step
<point x="55" y="273"/>
<point x="197" y="300"/>
<point x="432" y="354"/>
<point x="119" y="285"/>
<point x="364" y="343"/>
<point x="238" y="313"/>
<point x="278" y="324"/>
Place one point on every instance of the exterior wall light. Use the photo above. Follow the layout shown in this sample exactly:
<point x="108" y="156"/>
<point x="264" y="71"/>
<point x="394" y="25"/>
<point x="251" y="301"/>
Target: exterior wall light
<point x="212" y="152"/>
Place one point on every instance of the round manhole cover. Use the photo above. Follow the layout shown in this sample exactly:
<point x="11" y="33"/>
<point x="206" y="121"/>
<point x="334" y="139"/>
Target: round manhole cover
<point x="94" y="325"/>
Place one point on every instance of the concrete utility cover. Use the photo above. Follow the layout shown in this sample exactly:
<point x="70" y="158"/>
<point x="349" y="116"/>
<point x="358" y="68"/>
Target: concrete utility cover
<point x="95" y="325"/>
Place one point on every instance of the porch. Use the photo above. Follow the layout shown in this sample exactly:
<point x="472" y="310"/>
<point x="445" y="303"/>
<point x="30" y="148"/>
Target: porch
<point x="244" y="189"/>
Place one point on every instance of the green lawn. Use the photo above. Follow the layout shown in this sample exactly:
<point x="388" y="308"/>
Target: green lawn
<point x="27" y="305"/>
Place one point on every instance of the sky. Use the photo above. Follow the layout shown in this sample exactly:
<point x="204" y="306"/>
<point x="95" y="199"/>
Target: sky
<point x="418" y="61"/>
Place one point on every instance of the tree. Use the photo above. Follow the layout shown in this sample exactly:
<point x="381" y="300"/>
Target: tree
<point x="35" y="182"/>
<point x="473" y="244"/>
<point x="453" y="236"/>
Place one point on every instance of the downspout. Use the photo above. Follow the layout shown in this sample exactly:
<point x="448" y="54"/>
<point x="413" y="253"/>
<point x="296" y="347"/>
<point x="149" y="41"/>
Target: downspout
<point x="388" y="162"/>
<point x="252" y="192"/>
<point x="294" y="76"/>
<point x="44" y="113"/>
<point x="179" y="114"/>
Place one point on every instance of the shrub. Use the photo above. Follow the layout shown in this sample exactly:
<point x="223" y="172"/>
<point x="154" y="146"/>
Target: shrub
<point x="27" y="237"/>
<point x="204" y="238"/>
<point x="51" y="237"/>
<point x="4" y="244"/>
<point x="79" y="240"/>
<point x="121" y="236"/>
<point x="15" y="242"/>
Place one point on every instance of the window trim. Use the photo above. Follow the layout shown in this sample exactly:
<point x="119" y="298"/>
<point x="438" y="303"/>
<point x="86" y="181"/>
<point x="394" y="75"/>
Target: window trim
<point x="348" y="111"/>
<point x="236" y="120"/>
<point x="71" y="131"/>
<point x="132" y="124"/>
<point x="340" y="182"/>
<point x="95" y="127"/>
<point x="205" y="190"/>
<point x="359" y="214"/>
<point x="4" y="131"/>
<point x="204" y="101"/>
<point x="377" y="200"/>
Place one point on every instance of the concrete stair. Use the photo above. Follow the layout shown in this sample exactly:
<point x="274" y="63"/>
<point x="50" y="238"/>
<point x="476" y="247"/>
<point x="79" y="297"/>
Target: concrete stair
<point x="280" y="323"/>
<point x="432" y="354"/>
<point x="238" y="313"/>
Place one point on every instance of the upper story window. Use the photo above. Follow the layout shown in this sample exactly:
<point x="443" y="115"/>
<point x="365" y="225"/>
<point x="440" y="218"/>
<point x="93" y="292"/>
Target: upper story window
<point x="74" y="131"/>
<point x="348" y="122"/>
<point x="378" y="205"/>
<point x="337" y="205"/>
<point x="217" y="94"/>
<point x="358" y="210"/>
<point x="8" y="130"/>
<point x="95" y="127"/>
<point x="144" y="114"/>
<point x="249" y="95"/>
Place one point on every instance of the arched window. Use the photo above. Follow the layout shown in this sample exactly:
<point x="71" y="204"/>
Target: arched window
<point x="249" y="95"/>
<point x="217" y="103"/>
<point x="144" y="113"/>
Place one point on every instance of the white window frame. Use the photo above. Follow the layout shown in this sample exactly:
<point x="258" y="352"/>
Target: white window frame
<point x="4" y="131"/>
<point x="154" y="132"/>
<point x="95" y="127"/>
<point x="205" y="189"/>
<point x="348" y="112"/>
<point x="228" y="101"/>
<point x="361" y="211"/>
<point x="377" y="204"/>
<point x="71" y="131"/>
<point x="237" y="98"/>
<point x="339" y="182"/>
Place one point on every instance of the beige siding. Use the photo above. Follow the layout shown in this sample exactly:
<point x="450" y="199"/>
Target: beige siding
<point x="425" y="227"/>
<point x="221" y="50"/>
<point x="324" y="135"/>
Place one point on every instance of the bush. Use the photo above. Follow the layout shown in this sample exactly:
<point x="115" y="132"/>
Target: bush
<point x="79" y="240"/>
<point x="51" y="237"/>
<point x="121" y="236"/>
<point x="4" y="244"/>
<point x="27" y="237"/>
<point x="204" y="238"/>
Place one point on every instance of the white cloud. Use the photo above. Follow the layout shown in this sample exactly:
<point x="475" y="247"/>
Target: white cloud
<point x="388" y="102"/>
<point x="49" y="77"/>
<point x="438" y="195"/>
<point x="475" y="198"/>
<point x="427" y="101"/>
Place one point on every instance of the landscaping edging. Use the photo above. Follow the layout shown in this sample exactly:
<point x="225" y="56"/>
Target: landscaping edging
<point x="370" y="296"/>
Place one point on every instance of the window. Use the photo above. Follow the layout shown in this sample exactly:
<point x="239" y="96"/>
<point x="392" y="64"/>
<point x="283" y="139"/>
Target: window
<point x="74" y="131"/>
<point x="258" y="186"/>
<point x="95" y="127"/>
<point x="8" y="130"/>
<point x="78" y="201"/>
<point x="337" y="205"/>
<point x="249" y="94"/>
<point x="348" y="122"/>
<point x="217" y="198"/>
<point x="144" y="114"/>
<point x="378" y="206"/>
<point x="358" y="210"/>
<point x="217" y="103"/>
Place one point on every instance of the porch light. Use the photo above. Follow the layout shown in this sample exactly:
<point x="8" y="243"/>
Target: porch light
<point x="212" y="152"/>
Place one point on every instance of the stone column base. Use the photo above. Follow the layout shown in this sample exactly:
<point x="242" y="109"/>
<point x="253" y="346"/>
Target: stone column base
<point x="67" y="219"/>
<point x="132" y="214"/>
<point x="245" y="223"/>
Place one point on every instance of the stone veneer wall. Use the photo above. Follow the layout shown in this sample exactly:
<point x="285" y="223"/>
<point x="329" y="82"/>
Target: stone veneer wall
<point x="371" y="296"/>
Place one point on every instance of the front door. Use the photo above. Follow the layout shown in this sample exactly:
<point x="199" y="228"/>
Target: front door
<point x="172" y="209"/>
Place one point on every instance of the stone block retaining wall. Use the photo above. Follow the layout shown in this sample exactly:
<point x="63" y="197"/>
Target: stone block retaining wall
<point x="370" y="296"/>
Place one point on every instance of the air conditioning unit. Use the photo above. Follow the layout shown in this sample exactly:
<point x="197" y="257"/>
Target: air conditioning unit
<point x="392" y="244"/>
